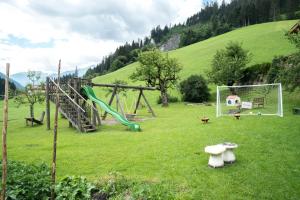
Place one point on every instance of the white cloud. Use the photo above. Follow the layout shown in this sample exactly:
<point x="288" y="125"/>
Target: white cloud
<point x="82" y="32"/>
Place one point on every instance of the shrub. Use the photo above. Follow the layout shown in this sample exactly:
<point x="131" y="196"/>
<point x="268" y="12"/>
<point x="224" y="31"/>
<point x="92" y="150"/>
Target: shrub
<point x="76" y="188"/>
<point x="255" y="74"/>
<point x="117" y="186"/>
<point x="27" y="181"/>
<point x="194" y="89"/>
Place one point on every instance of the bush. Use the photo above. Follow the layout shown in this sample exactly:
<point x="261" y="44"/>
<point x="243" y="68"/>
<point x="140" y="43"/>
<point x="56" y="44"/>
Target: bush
<point x="27" y="181"/>
<point x="171" y="99"/>
<point x="194" y="89"/>
<point x="255" y="74"/>
<point x="117" y="186"/>
<point x="76" y="188"/>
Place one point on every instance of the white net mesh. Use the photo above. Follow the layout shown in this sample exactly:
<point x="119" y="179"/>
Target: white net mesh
<point x="249" y="100"/>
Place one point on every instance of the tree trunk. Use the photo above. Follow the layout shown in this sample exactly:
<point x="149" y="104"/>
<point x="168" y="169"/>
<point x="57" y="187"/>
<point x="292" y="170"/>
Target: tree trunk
<point x="164" y="97"/>
<point x="31" y="111"/>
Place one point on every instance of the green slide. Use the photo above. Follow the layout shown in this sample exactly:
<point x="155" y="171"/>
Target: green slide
<point x="88" y="91"/>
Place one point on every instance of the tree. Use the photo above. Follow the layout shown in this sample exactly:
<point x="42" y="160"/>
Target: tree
<point x="157" y="70"/>
<point x="228" y="63"/>
<point x="194" y="89"/>
<point x="33" y="93"/>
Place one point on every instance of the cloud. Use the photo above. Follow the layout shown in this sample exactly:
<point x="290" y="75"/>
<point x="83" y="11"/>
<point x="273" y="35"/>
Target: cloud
<point x="35" y="34"/>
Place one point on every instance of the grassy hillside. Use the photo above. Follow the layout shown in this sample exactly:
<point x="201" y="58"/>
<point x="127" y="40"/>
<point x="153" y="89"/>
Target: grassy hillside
<point x="264" y="41"/>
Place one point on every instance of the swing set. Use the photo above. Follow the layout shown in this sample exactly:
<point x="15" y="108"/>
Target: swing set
<point x="136" y="104"/>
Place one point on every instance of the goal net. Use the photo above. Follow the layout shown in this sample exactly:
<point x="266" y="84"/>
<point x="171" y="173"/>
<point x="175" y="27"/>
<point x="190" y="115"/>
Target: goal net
<point x="265" y="99"/>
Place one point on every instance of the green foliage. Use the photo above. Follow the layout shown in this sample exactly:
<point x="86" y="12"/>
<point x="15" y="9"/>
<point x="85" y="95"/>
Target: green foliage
<point x="294" y="38"/>
<point x="75" y="188"/>
<point x="286" y="69"/>
<point x="157" y="70"/>
<point x="33" y="93"/>
<point x="116" y="186"/>
<point x="228" y="63"/>
<point x="26" y="182"/>
<point x="194" y="89"/>
<point x="171" y="99"/>
<point x="290" y="74"/>
<point x="255" y="74"/>
<point x="118" y="63"/>
<point x="277" y="63"/>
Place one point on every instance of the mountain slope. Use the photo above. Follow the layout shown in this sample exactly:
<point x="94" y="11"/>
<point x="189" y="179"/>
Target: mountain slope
<point x="22" y="78"/>
<point x="17" y="84"/>
<point x="264" y="41"/>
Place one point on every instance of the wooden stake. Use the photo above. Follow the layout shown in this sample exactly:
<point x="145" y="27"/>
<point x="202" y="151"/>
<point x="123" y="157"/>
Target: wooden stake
<point x="47" y="104"/>
<point x="55" y="134"/>
<point x="4" y="132"/>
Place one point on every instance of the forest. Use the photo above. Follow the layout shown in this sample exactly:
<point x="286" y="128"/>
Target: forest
<point x="12" y="87"/>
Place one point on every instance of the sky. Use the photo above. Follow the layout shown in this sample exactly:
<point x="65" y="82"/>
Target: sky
<point x="35" y="34"/>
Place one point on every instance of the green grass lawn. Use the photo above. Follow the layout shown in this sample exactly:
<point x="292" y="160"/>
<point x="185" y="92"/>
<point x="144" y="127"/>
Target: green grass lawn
<point x="171" y="149"/>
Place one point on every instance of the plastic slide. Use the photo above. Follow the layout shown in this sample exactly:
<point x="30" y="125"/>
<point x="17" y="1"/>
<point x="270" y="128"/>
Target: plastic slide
<point x="88" y="91"/>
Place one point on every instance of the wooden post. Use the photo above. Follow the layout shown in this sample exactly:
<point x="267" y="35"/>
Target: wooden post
<point x="120" y="106"/>
<point x="110" y="101"/>
<point x="96" y="115"/>
<point x="55" y="135"/>
<point x="148" y="104"/>
<point x="47" y="104"/>
<point x="138" y="101"/>
<point x="4" y="132"/>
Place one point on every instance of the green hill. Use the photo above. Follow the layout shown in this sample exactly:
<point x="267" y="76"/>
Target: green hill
<point x="264" y="41"/>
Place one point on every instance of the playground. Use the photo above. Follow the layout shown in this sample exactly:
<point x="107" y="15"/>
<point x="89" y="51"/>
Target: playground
<point x="171" y="149"/>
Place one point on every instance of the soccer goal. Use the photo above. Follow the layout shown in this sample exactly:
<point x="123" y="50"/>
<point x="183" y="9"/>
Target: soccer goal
<point x="264" y="99"/>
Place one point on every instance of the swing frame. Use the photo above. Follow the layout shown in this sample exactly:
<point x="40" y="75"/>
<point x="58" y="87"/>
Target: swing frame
<point x="115" y="94"/>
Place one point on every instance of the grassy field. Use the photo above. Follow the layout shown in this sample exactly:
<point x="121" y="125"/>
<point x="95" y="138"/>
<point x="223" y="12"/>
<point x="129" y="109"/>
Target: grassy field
<point x="170" y="149"/>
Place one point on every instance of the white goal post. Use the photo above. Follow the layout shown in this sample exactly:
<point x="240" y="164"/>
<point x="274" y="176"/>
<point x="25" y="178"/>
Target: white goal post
<point x="263" y="99"/>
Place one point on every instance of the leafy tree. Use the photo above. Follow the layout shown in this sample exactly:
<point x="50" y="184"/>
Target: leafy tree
<point x="157" y="70"/>
<point x="33" y="93"/>
<point x="228" y="63"/>
<point x="194" y="89"/>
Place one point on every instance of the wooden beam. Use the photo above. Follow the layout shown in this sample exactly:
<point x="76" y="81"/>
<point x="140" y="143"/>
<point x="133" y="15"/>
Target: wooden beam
<point x="53" y="171"/>
<point x="4" y="133"/>
<point x="123" y="86"/>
